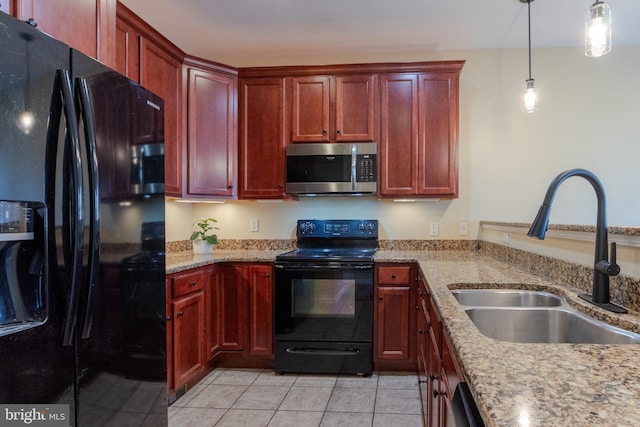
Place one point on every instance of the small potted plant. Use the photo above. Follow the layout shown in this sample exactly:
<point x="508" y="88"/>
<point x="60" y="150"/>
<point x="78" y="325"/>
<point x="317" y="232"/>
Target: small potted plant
<point x="203" y="243"/>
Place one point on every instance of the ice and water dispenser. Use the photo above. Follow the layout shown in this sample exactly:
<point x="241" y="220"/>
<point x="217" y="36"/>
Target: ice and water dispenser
<point x="23" y="266"/>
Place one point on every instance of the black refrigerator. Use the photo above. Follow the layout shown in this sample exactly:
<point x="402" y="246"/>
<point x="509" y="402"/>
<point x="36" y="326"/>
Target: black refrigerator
<point x="82" y="252"/>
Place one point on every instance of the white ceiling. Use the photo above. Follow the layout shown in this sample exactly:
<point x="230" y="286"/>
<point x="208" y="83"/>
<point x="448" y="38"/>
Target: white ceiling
<point x="259" y="31"/>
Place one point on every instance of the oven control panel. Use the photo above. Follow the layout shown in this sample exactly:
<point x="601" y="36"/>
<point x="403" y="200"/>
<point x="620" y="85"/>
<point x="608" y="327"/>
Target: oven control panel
<point x="337" y="228"/>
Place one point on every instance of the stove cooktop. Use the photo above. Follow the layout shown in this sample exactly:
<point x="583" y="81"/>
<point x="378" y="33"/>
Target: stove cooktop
<point x="327" y="240"/>
<point x="328" y="254"/>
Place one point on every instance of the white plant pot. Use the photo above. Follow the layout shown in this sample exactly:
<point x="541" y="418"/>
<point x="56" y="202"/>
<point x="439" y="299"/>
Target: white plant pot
<point x="202" y="247"/>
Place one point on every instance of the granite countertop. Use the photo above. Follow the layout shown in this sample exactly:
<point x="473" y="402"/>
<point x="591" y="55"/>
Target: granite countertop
<point x="180" y="261"/>
<point x="514" y="384"/>
<point x="517" y="384"/>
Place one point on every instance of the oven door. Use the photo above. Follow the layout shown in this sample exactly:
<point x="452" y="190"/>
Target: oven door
<point x="323" y="317"/>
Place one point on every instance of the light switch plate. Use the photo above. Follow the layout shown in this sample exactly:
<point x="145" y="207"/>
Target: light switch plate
<point x="254" y="225"/>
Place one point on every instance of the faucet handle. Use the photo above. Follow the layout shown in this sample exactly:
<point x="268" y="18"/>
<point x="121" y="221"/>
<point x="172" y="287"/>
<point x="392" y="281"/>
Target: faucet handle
<point x="610" y="268"/>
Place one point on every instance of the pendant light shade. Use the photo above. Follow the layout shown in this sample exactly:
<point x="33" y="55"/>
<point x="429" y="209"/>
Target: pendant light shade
<point x="597" y="33"/>
<point x="530" y="96"/>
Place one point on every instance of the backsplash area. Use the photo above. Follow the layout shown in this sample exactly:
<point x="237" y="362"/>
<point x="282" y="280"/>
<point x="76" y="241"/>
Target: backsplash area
<point x="624" y="290"/>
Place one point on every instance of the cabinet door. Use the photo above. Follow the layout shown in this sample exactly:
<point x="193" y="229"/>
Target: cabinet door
<point x="231" y="310"/>
<point x="169" y="316"/>
<point x="212" y="327"/>
<point x="92" y="31"/>
<point x="211" y="134"/>
<point x="261" y="310"/>
<point x="355" y="108"/>
<point x="160" y="72"/>
<point x="438" y="122"/>
<point x="423" y="360"/>
<point x="392" y="324"/>
<point x="127" y="50"/>
<point x="188" y="337"/>
<point x="399" y="134"/>
<point x="310" y="109"/>
<point x="262" y="138"/>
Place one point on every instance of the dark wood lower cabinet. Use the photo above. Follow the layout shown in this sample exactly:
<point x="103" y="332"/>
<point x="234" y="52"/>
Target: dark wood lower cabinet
<point x="220" y="314"/>
<point x="395" y="316"/>
<point x="186" y="319"/>
<point x="439" y="371"/>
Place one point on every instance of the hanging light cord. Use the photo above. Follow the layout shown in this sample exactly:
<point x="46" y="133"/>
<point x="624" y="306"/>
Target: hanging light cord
<point x="529" y="26"/>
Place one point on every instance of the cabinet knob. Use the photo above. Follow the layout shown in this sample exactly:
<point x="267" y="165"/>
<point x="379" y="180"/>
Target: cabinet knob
<point x="393" y="276"/>
<point x="338" y="131"/>
<point x="421" y="331"/>
<point x="422" y="381"/>
<point x="324" y="131"/>
<point x="192" y="284"/>
<point x="168" y="318"/>
<point x="268" y="276"/>
<point x="437" y="393"/>
<point x="181" y="313"/>
<point x="380" y="298"/>
<point x="230" y="186"/>
<point x="433" y="377"/>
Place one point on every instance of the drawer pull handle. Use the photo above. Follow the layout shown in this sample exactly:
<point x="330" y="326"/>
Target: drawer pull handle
<point x="181" y="313"/>
<point x="437" y="393"/>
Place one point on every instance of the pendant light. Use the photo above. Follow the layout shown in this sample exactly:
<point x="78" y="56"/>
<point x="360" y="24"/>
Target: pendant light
<point x="597" y="35"/>
<point x="530" y="95"/>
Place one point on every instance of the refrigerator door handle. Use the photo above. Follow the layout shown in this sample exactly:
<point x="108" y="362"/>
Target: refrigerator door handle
<point x="84" y="107"/>
<point x="73" y="205"/>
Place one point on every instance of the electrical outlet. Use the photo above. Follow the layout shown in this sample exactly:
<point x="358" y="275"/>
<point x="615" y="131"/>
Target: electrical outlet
<point x="434" y="229"/>
<point x="505" y="238"/>
<point x="464" y="229"/>
<point x="254" y="225"/>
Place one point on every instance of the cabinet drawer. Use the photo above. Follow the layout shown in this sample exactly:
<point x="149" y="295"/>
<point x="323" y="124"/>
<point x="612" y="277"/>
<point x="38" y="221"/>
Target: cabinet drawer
<point x="188" y="282"/>
<point x="394" y="275"/>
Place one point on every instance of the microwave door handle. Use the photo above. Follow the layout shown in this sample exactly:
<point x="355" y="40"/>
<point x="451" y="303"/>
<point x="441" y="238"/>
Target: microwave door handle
<point x="354" y="160"/>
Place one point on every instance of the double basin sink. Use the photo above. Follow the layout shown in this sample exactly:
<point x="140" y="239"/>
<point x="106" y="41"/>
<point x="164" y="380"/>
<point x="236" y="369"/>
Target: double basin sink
<point x="527" y="316"/>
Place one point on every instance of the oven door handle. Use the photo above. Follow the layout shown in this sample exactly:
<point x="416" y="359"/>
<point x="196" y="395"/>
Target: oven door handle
<point x="324" y="351"/>
<point x="324" y="266"/>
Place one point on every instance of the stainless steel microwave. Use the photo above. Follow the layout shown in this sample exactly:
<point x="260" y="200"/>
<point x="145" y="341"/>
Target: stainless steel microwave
<point x="328" y="169"/>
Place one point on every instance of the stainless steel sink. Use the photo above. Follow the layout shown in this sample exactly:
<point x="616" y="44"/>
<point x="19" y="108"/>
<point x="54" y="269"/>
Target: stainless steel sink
<point x="506" y="298"/>
<point x="528" y="316"/>
<point x="549" y="325"/>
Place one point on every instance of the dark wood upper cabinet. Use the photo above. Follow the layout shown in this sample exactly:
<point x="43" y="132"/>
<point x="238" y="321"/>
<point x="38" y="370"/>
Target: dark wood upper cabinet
<point x="438" y="133"/>
<point x="398" y="135"/>
<point x="310" y="109"/>
<point x="333" y="108"/>
<point x="92" y="30"/>
<point x="356" y="108"/>
<point x="262" y="138"/>
<point x="148" y="58"/>
<point x="419" y="134"/>
<point x="211" y="130"/>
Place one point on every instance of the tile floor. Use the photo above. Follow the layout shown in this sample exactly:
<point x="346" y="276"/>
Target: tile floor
<point x="254" y="397"/>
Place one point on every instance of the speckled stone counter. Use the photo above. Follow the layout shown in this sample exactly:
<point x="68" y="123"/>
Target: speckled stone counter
<point x="517" y="384"/>
<point x="180" y="261"/>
